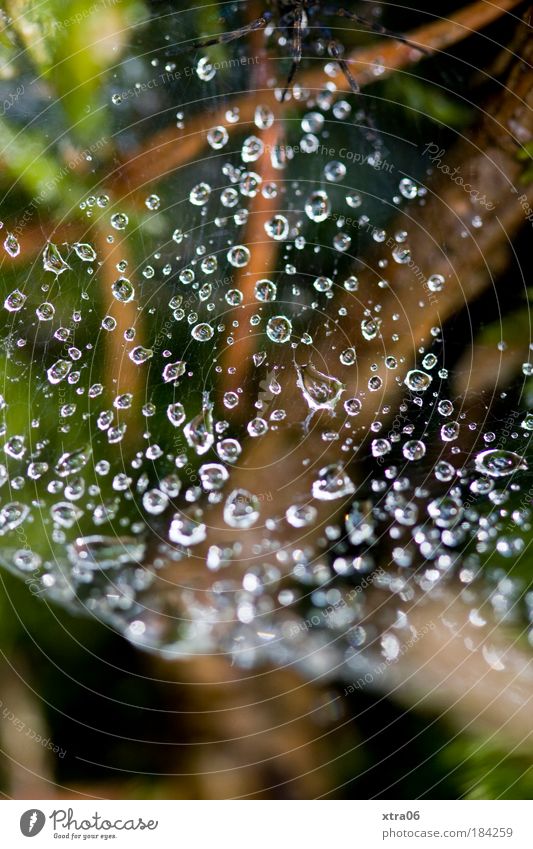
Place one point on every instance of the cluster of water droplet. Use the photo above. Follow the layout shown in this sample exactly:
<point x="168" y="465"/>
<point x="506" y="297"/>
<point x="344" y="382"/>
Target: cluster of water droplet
<point x="135" y="427"/>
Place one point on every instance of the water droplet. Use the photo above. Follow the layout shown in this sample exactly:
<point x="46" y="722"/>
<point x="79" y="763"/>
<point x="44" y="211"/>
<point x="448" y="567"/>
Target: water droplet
<point x="352" y="406"/>
<point x="446" y="511"/>
<point x="449" y="431"/>
<point x="265" y="290"/>
<point x="15" y="301"/>
<point x="241" y="509"/>
<point x="321" y="391"/>
<point x="155" y="502"/>
<point x="408" y="189"/>
<point x="186" y="531"/>
<point x="341" y="242"/>
<point x="354" y="201"/>
<point x="435" y="283"/>
<point x="100" y="552"/>
<point x="239" y="256"/>
<point x="318" y="206"/>
<point x="229" y="450"/>
<point x="300" y="516"/>
<point x="65" y="514"/>
<point x="335" y="171"/>
<point x="231" y="399"/>
<point x="53" y="261"/>
<point x="12" y="515"/>
<point x="173" y="371"/>
<point x="401" y="254"/>
<point x="123" y="290"/>
<point x="213" y="476"/>
<point x="264" y="117"/>
<point x="153" y="202"/>
<point x="332" y="483"/>
<point x="84" y="251"/>
<point x="252" y="149"/>
<point x="217" y="137"/>
<point x="205" y="69"/>
<point x="119" y="221"/>
<point x="348" y="357"/>
<point x="414" y="449"/>
<point x="199" y="194"/>
<point x="417" y="381"/>
<point x="312" y="122"/>
<point x="277" y="228"/>
<point x="257" y="427"/>
<point x="199" y="431"/>
<point x="429" y="361"/>
<point x="279" y="329"/>
<point x="15" y="447"/>
<point x="59" y="371"/>
<point x="380" y="447"/>
<point x="45" y="312"/>
<point x="202" y="332"/>
<point x="176" y="413"/>
<point x="323" y="284"/>
<point x="370" y="328"/>
<point x="72" y="463"/>
<point x="498" y="463"/>
<point x="140" y="355"/>
<point x="11" y="245"/>
<point x="445" y="407"/>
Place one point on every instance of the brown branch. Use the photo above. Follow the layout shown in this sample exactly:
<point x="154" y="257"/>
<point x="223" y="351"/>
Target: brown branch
<point x="29" y="765"/>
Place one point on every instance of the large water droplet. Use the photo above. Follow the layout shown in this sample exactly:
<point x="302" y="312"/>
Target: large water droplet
<point x="59" y="371"/>
<point x="72" y="462"/>
<point x="176" y="413"/>
<point x="199" y="431"/>
<point x="173" y="371"/>
<point x="332" y="483"/>
<point x="15" y="301"/>
<point x="241" y="509"/>
<point x="414" y="449"/>
<point x="186" y="531"/>
<point x="11" y="245"/>
<point x="417" y="381"/>
<point x="321" y="391"/>
<point x="317" y="206"/>
<point x="498" y="463"/>
<point x="84" y="251"/>
<point x="265" y="290"/>
<point x="140" y="355"/>
<point x="53" y="261"/>
<point x="199" y="194"/>
<point x="123" y="290"/>
<point x="239" y="256"/>
<point x="279" y="329"/>
<point x="202" y="332"/>
<point x="213" y="476"/>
